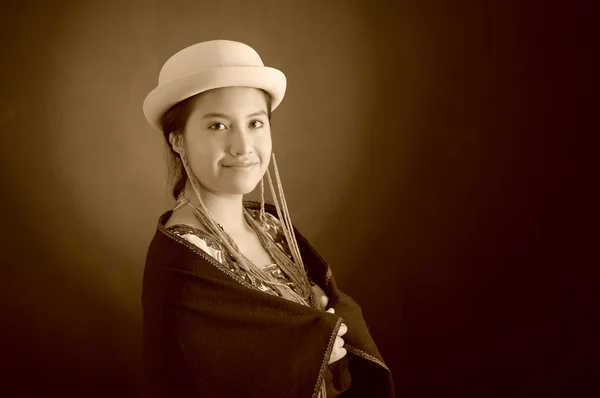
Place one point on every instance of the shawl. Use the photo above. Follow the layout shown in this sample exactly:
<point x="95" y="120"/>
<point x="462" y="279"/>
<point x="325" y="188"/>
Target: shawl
<point x="209" y="333"/>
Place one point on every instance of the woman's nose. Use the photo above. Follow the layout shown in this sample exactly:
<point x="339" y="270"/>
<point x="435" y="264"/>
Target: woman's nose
<point x="241" y="143"/>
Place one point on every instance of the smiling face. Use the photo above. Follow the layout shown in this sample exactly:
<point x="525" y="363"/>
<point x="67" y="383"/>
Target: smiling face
<point x="228" y="129"/>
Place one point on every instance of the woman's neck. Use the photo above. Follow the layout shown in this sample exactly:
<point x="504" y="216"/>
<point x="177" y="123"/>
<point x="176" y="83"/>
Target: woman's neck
<point x="228" y="211"/>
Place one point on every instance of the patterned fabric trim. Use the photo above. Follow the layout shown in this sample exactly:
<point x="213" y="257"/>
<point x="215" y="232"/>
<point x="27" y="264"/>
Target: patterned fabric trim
<point x="209" y="245"/>
<point x="203" y="254"/>
<point x="318" y="392"/>
<point x="363" y="354"/>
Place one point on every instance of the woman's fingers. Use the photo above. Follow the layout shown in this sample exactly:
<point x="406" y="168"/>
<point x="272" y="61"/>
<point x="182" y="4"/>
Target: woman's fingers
<point x="324" y="300"/>
<point x="333" y="357"/>
<point x="321" y="297"/>
<point x="338" y="352"/>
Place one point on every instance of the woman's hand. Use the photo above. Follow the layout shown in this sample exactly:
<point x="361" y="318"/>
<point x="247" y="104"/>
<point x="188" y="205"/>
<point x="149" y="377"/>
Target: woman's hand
<point x="321" y="297"/>
<point x="338" y="351"/>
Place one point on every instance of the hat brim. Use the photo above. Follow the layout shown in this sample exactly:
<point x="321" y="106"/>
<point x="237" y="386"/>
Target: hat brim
<point x="163" y="97"/>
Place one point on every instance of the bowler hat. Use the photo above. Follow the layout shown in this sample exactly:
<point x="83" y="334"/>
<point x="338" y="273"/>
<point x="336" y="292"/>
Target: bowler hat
<point x="208" y="65"/>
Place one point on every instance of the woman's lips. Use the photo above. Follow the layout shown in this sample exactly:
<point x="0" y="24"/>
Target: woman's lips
<point x="242" y="168"/>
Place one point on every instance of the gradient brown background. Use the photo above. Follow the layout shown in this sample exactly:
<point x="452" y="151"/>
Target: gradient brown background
<point x="405" y="153"/>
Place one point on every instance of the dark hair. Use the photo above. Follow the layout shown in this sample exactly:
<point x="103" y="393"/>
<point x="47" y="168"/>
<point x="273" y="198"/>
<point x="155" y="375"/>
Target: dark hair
<point x="174" y="121"/>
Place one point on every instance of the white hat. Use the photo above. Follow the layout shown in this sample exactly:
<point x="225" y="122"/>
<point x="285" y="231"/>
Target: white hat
<point x="208" y="65"/>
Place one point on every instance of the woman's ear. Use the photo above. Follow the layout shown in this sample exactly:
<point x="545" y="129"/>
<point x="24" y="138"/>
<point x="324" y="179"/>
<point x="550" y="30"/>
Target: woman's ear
<point x="176" y="142"/>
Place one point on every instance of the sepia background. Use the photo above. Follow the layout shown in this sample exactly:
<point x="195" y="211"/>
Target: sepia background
<point x="404" y="147"/>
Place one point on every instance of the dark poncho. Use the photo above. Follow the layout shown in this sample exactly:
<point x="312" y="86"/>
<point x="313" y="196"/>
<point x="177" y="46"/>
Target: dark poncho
<point x="208" y="333"/>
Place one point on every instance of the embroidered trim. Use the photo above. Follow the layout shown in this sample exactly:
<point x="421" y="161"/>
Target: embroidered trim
<point x="326" y="358"/>
<point x="217" y="264"/>
<point x="224" y="258"/>
<point x="361" y="353"/>
<point x="188" y="229"/>
<point x="205" y="256"/>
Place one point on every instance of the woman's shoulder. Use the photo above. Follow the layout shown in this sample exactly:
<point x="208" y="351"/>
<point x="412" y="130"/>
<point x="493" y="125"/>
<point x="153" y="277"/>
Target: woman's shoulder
<point x="184" y="223"/>
<point x="184" y="216"/>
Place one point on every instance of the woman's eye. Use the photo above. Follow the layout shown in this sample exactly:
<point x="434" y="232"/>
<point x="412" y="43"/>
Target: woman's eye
<point x="256" y="124"/>
<point x="217" y="126"/>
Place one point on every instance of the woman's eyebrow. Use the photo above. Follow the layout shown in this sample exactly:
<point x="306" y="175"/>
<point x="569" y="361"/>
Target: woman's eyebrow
<point x="213" y="114"/>
<point x="258" y="113"/>
<point x="216" y="114"/>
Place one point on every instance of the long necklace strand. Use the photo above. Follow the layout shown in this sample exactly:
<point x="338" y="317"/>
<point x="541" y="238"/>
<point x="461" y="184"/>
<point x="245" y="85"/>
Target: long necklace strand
<point x="253" y="272"/>
<point x="286" y="213"/>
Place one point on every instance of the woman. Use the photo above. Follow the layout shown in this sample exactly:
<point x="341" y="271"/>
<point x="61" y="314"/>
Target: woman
<point x="236" y="302"/>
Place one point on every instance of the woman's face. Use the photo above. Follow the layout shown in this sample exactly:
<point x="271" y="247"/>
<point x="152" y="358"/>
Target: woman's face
<point x="228" y="139"/>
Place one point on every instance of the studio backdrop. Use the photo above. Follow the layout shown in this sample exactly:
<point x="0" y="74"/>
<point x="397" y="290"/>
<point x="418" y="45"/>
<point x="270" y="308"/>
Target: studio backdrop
<point x="392" y="160"/>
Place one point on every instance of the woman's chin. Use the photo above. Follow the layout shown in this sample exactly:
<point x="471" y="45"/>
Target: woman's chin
<point x="240" y="188"/>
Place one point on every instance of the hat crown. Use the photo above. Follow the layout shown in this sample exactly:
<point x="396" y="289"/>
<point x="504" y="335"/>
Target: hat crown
<point x="210" y="65"/>
<point x="207" y="55"/>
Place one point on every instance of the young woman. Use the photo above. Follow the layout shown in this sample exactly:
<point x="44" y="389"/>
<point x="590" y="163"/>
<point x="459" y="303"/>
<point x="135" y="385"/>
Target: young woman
<point x="236" y="302"/>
